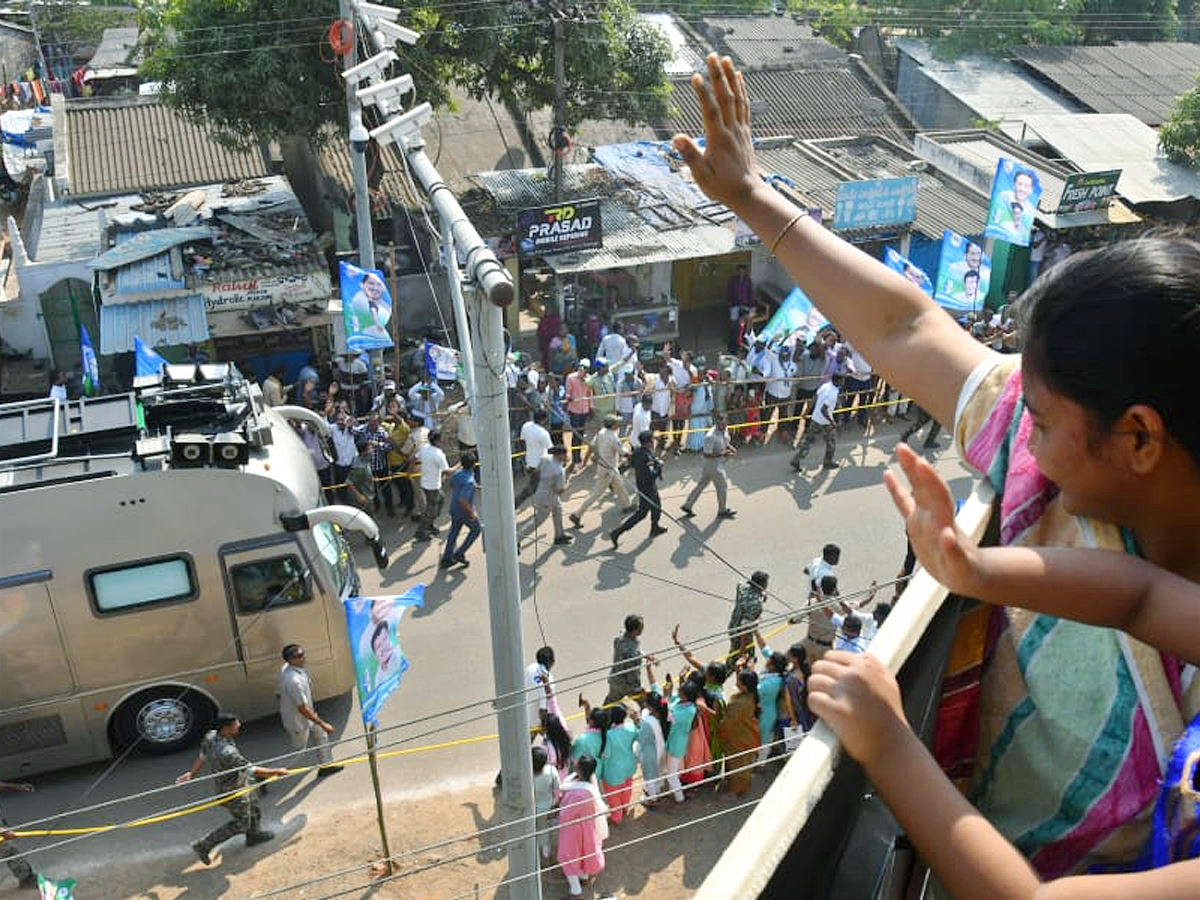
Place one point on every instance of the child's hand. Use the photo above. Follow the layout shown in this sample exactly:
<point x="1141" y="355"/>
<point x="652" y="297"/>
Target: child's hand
<point x="860" y="701"/>
<point x="582" y="702"/>
<point x="928" y="511"/>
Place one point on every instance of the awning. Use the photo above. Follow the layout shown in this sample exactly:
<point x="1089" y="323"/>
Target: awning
<point x="147" y="244"/>
<point x="159" y="323"/>
<point x="261" y="320"/>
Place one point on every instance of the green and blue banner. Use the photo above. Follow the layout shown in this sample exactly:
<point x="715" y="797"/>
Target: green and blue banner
<point x="373" y="624"/>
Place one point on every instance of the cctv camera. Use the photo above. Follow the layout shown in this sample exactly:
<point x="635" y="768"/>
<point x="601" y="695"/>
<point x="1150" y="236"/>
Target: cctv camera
<point x="394" y="32"/>
<point x="369" y="68"/>
<point x="359" y="138"/>
<point x="375" y="11"/>
<point x="405" y="126"/>
<point x="386" y="94"/>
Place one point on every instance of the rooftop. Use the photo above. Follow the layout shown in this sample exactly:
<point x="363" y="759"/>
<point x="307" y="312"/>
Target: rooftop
<point x="769" y="41"/>
<point x="1141" y="79"/>
<point x="117" y="146"/>
<point x="117" y="55"/>
<point x="992" y="87"/>
<point x="829" y="101"/>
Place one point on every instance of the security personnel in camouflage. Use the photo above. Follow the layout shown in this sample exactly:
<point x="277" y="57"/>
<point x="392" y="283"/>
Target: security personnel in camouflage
<point x="231" y="773"/>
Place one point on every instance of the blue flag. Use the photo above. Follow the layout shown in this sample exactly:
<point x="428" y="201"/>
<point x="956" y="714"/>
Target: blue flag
<point x="795" y="313"/>
<point x="147" y="359"/>
<point x="431" y="369"/>
<point x="88" y="362"/>
<point x="964" y="274"/>
<point x="373" y="624"/>
<point x="897" y="263"/>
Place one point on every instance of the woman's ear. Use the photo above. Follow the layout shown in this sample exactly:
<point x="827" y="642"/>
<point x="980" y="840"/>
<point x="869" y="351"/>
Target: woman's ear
<point x="1145" y="438"/>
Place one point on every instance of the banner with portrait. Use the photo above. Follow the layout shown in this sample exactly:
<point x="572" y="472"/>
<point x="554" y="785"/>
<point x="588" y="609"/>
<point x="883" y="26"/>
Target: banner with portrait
<point x="1016" y="190"/>
<point x="796" y="315"/>
<point x="366" y="308"/>
<point x="373" y="624"/>
<point x="964" y="274"/>
<point x="914" y="273"/>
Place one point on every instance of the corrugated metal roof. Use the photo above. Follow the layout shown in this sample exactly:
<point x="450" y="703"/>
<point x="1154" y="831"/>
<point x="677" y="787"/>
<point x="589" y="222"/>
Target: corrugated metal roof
<point x="993" y="88"/>
<point x="1141" y="79"/>
<point x="1096" y="143"/>
<point x="160" y="323"/>
<point x="805" y="103"/>
<point x="149" y="276"/>
<point x="942" y="202"/>
<point x="335" y="162"/>
<point x="126" y="145"/>
<point x="769" y="41"/>
<point x="118" y="51"/>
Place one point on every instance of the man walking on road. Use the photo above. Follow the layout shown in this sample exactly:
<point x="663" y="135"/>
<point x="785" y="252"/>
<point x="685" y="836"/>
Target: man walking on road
<point x="647" y="470"/>
<point x="821" y="421"/>
<point x="606" y="453"/>
<point x="233" y="772"/>
<point x="716" y="449"/>
<point x="300" y="719"/>
<point x="462" y="513"/>
<point x="547" y="500"/>
<point x="434" y="466"/>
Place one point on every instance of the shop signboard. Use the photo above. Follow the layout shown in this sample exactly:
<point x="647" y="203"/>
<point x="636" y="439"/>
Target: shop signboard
<point x="247" y="293"/>
<point x="875" y="203"/>
<point x="1088" y="190"/>
<point x="561" y="228"/>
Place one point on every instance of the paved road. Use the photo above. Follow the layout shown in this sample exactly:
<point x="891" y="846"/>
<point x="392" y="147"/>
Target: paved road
<point x="575" y="600"/>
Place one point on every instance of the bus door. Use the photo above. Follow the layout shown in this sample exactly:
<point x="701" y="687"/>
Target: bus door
<point x="34" y="663"/>
<point x="274" y="601"/>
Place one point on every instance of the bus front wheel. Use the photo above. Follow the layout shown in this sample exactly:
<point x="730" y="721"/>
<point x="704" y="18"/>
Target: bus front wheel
<point x="162" y="720"/>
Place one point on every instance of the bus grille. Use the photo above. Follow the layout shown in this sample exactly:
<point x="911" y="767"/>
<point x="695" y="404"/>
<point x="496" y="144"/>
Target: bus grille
<point x="32" y="734"/>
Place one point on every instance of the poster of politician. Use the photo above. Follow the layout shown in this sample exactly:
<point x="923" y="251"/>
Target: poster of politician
<point x="796" y="316"/>
<point x="908" y="269"/>
<point x="964" y="274"/>
<point x="374" y="627"/>
<point x="1016" y="191"/>
<point x="366" y="308"/>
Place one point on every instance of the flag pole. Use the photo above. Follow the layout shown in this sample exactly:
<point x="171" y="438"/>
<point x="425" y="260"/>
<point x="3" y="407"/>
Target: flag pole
<point x="372" y="759"/>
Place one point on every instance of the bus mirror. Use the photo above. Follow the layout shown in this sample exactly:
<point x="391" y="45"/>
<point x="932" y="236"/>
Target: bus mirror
<point x="381" y="554"/>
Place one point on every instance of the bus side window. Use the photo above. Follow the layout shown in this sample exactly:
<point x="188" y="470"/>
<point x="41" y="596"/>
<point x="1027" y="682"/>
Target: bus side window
<point x="269" y="584"/>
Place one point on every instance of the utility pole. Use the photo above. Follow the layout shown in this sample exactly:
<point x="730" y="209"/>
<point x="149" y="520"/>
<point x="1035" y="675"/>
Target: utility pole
<point x="494" y="291"/>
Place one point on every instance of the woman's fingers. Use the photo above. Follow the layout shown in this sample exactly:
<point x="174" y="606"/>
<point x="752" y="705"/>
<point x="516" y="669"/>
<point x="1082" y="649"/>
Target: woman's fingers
<point x="901" y="496"/>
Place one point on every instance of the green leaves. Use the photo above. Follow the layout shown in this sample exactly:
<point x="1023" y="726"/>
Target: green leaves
<point x="1179" y="136"/>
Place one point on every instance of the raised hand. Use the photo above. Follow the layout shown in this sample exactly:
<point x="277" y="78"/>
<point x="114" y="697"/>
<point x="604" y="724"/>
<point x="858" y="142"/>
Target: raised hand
<point x="725" y="168"/>
<point x="928" y="512"/>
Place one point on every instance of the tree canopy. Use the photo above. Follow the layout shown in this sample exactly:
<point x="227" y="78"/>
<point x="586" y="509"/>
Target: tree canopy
<point x="1179" y="136"/>
<point x="263" y="69"/>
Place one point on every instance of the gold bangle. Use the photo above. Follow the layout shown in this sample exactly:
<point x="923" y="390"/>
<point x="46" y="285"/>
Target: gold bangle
<point x="786" y="228"/>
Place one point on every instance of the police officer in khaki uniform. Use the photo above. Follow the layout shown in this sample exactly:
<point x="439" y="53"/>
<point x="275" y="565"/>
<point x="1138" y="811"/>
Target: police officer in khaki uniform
<point x="231" y="772"/>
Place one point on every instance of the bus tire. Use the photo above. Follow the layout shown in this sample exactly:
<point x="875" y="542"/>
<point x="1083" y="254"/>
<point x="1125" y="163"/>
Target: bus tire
<point x="161" y="720"/>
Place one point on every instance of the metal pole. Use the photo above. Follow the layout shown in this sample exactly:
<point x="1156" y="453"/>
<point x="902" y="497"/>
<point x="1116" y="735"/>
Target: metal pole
<point x="388" y="867"/>
<point x="504" y="597"/>
<point x="454" y="276"/>
<point x="395" y="314"/>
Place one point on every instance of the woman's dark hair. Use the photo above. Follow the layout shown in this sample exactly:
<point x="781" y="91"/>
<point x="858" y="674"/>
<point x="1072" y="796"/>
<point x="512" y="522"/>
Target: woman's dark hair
<point x="800" y="656"/>
<point x="586" y="766"/>
<point x="748" y="679"/>
<point x="616" y="716"/>
<point x="690" y="691"/>
<point x="599" y="720"/>
<point x="539" y="758"/>
<point x="658" y="708"/>
<point x="1118" y="326"/>
<point x="557" y="735"/>
<point x="777" y="663"/>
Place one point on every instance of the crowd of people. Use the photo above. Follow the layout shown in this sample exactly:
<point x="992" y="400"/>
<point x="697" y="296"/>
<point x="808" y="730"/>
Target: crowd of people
<point x="708" y="729"/>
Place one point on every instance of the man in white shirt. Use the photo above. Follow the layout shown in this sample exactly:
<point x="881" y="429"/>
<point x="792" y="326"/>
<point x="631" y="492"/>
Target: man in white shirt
<point x="345" y="451"/>
<point x="642" y="418"/>
<point x="425" y="399"/>
<point x="434" y="467"/>
<point x="821" y="422"/>
<point x="296" y="710"/>
<point x="537" y="442"/>
<point x="606" y="454"/>
<point x="779" y="390"/>
<point x="614" y="349"/>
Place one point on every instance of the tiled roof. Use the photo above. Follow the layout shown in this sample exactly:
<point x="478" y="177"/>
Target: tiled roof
<point x="769" y="41"/>
<point x="334" y="159"/>
<point x="805" y="103"/>
<point x="123" y="146"/>
<point x="1141" y="79"/>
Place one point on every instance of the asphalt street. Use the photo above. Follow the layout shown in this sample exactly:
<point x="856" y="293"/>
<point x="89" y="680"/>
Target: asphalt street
<point x="574" y="598"/>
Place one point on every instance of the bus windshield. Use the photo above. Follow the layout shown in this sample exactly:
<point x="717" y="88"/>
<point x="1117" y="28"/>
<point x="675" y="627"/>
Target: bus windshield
<point x="336" y="552"/>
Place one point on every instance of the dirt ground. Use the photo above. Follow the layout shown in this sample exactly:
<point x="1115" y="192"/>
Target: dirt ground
<point x="668" y="854"/>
